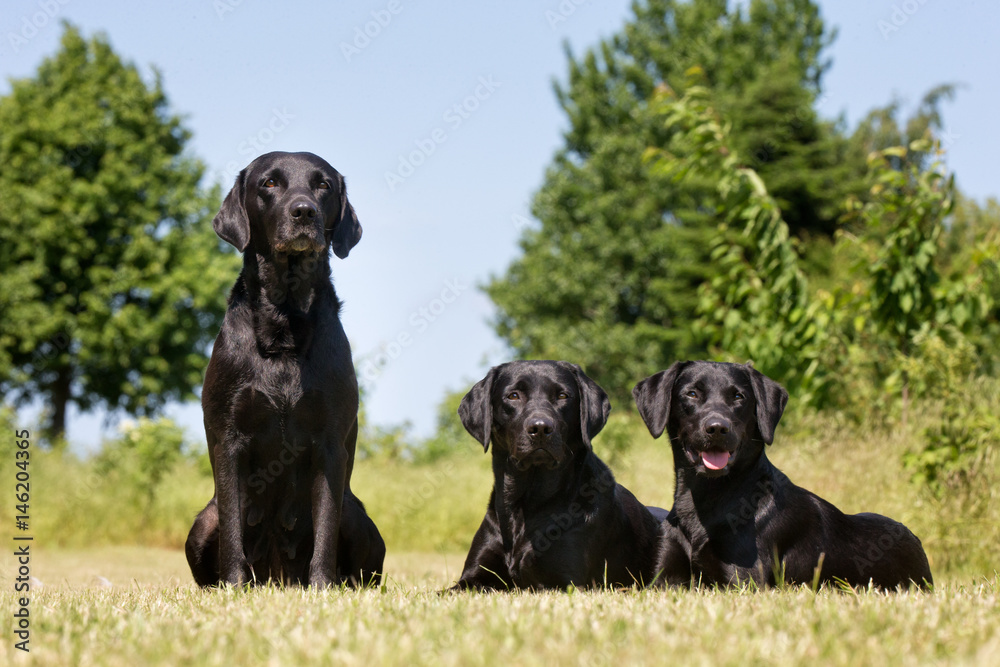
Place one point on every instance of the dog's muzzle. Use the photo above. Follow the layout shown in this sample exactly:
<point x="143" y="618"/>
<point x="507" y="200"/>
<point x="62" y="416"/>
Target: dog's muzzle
<point x="301" y="245"/>
<point x="538" y="458"/>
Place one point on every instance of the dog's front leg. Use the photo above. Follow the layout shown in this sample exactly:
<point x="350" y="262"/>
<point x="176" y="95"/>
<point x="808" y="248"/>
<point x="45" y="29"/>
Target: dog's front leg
<point x="231" y="492"/>
<point x="327" y="505"/>
<point x="673" y="563"/>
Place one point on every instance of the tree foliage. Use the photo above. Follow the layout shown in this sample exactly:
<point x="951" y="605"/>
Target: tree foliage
<point x="146" y="451"/>
<point x="883" y="128"/>
<point x="112" y="283"/>
<point x="757" y="305"/>
<point x="904" y="285"/>
<point x="450" y="435"/>
<point x="903" y="226"/>
<point x="928" y="329"/>
<point x="611" y="277"/>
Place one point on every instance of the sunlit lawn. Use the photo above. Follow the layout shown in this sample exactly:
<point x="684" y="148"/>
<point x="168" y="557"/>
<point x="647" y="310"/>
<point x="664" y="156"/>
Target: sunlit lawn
<point x="138" y="606"/>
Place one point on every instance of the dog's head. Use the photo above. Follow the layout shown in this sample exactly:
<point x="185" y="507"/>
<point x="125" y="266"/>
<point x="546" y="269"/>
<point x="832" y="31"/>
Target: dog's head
<point x="718" y="415"/>
<point x="289" y="204"/>
<point x="536" y="413"/>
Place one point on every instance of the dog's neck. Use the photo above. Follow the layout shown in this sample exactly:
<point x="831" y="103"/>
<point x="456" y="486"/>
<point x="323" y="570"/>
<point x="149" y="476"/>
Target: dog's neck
<point x="728" y="497"/>
<point x="532" y="487"/>
<point x="286" y="293"/>
<point x="518" y="494"/>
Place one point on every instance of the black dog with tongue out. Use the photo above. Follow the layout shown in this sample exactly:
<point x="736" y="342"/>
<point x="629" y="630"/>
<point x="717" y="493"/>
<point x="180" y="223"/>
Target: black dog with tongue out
<point x="556" y="517"/>
<point x="736" y="518"/>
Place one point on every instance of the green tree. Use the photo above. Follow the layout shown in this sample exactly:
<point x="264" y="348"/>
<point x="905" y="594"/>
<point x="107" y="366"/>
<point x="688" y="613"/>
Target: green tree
<point x="808" y="165"/>
<point x="883" y="128"/>
<point x="903" y="222"/>
<point x="907" y="291"/>
<point x="384" y="442"/>
<point x="112" y="282"/>
<point x="757" y="305"/>
<point x="610" y="279"/>
<point x="142" y="456"/>
<point x="449" y="434"/>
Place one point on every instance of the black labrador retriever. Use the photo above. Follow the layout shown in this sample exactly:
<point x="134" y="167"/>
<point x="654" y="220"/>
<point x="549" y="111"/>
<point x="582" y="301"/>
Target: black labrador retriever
<point x="736" y="518"/>
<point x="280" y="398"/>
<point x="556" y="517"/>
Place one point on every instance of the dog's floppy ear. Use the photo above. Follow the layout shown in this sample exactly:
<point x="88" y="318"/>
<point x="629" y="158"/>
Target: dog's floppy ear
<point x="476" y="409"/>
<point x="347" y="230"/>
<point x="652" y="398"/>
<point x="231" y="223"/>
<point x="594" y="406"/>
<point x="771" y="399"/>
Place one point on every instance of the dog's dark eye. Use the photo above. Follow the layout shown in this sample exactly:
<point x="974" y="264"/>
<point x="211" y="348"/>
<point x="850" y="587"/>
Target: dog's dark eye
<point x="513" y="396"/>
<point x="692" y="394"/>
<point x="323" y="185"/>
<point x="562" y="396"/>
<point x="740" y="396"/>
<point x="270" y="183"/>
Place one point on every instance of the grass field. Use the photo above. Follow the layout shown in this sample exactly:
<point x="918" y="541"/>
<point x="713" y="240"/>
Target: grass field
<point x="115" y="588"/>
<point x="137" y="606"/>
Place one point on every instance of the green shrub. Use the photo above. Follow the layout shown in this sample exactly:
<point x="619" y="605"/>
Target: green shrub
<point x="450" y="436"/>
<point x="616" y="438"/>
<point x="139" y="459"/>
<point x="144" y="487"/>
<point x="383" y="442"/>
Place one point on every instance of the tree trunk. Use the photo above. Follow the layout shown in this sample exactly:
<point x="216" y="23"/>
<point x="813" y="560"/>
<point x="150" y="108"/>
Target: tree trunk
<point x="59" y="397"/>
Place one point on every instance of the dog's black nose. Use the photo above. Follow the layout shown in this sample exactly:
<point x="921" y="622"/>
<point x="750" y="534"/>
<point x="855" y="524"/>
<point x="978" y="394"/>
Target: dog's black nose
<point x="717" y="426"/>
<point x="303" y="209"/>
<point x="540" y="427"/>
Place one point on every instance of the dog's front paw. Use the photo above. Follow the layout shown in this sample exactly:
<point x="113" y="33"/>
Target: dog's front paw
<point x="236" y="578"/>
<point x="322" y="580"/>
<point x="237" y="573"/>
<point x="321" y="575"/>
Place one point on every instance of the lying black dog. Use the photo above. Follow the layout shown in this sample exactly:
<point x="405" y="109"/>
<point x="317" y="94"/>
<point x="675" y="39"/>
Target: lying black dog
<point x="280" y="398"/>
<point x="736" y="518"/>
<point x="556" y="516"/>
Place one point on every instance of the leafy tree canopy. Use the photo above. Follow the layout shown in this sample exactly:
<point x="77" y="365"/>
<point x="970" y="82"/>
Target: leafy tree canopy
<point x="610" y="278"/>
<point x="112" y="282"/>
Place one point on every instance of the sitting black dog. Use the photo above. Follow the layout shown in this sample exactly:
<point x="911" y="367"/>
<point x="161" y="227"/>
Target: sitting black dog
<point x="556" y="517"/>
<point x="280" y="397"/>
<point x="736" y="518"/>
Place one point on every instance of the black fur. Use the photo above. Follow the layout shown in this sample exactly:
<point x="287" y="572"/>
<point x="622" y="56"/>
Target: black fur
<point x="280" y="397"/>
<point x="556" y="517"/>
<point x="736" y="518"/>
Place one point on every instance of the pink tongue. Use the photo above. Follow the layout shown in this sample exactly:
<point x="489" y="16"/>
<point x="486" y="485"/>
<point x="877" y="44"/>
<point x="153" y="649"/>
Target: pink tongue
<point x="715" y="460"/>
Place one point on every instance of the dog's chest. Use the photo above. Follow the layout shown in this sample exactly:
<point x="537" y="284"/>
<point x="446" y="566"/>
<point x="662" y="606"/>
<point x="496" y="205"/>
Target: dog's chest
<point x="551" y="549"/>
<point x="728" y="553"/>
<point x="725" y="559"/>
<point x="283" y="402"/>
<point x="281" y="386"/>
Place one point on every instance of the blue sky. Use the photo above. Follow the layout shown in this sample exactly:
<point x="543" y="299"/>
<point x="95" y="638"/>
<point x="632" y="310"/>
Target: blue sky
<point x="443" y="121"/>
